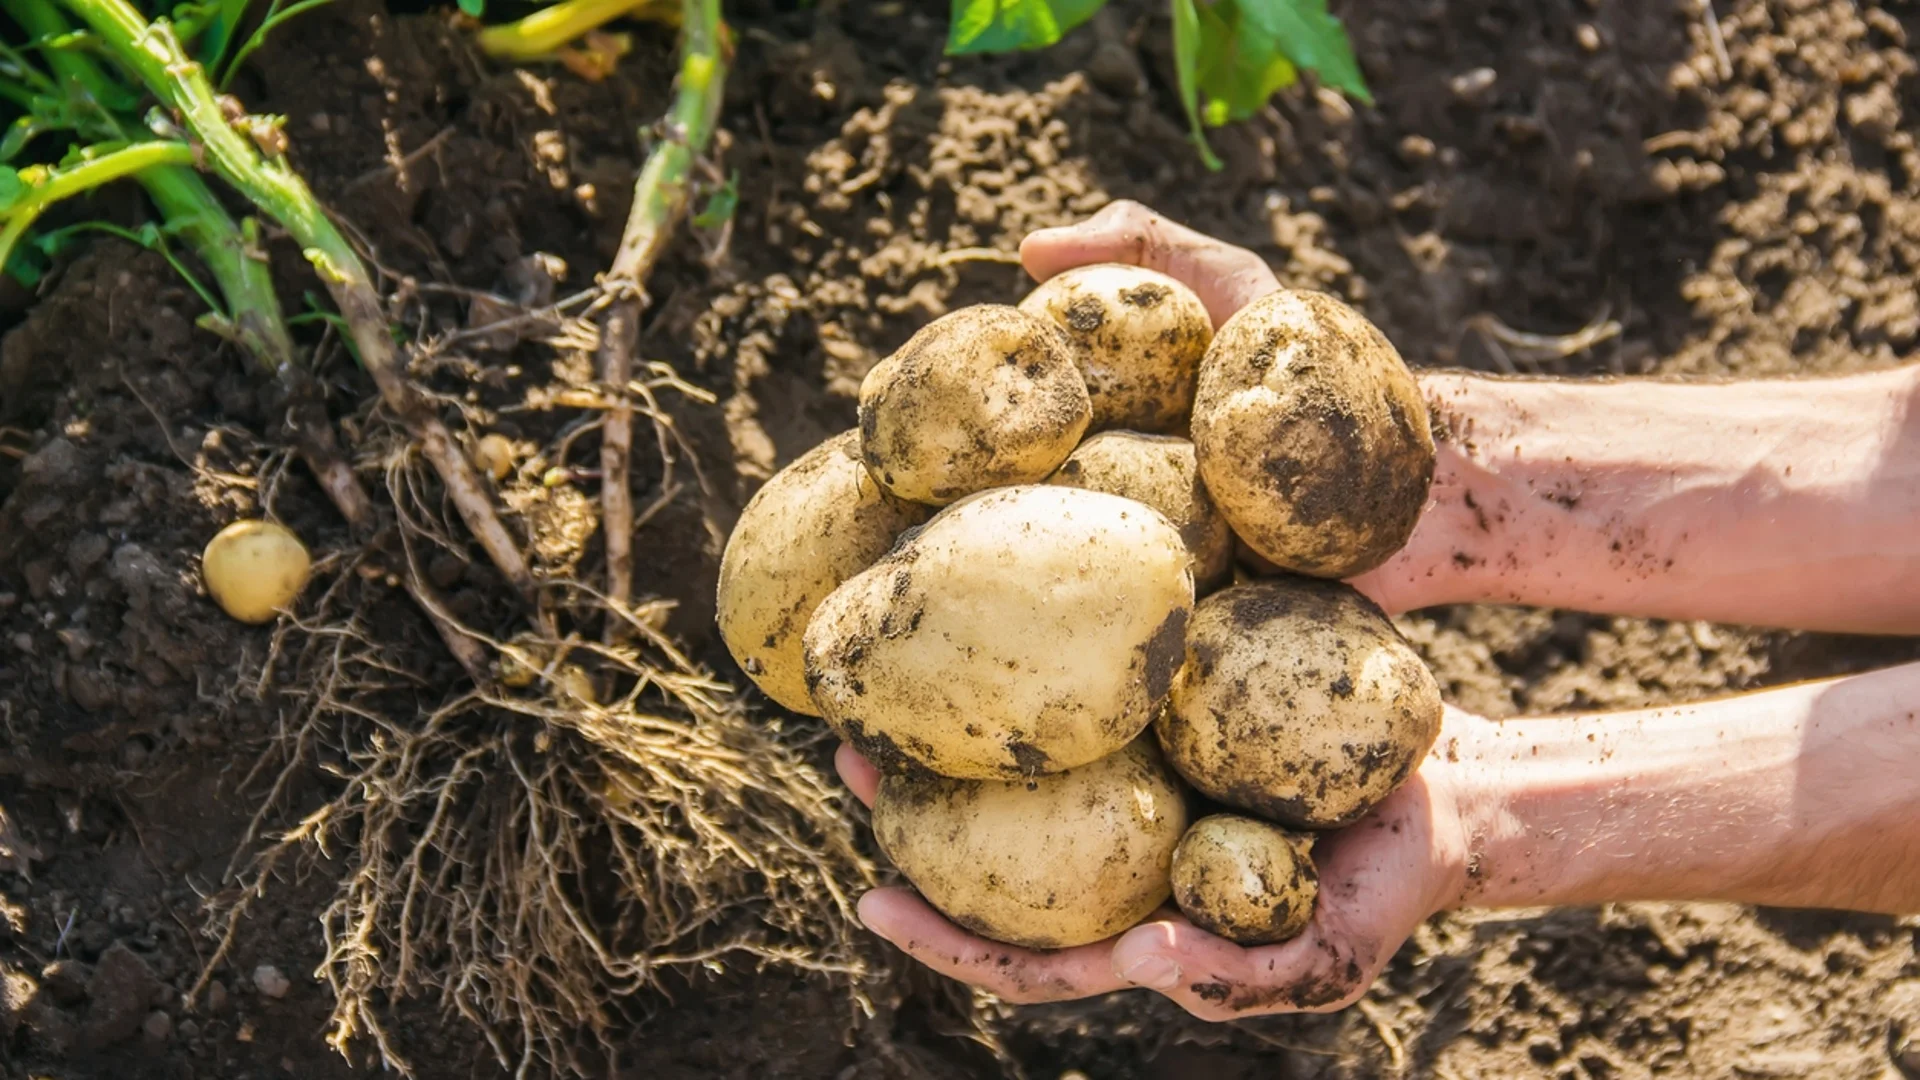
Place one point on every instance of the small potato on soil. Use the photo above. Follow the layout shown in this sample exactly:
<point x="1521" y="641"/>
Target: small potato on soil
<point x="254" y="569"/>
<point x="1158" y="470"/>
<point x="816" y="523"/>
<point x="1245" y="880"/>
<point x="1138" y="336"/>
<point x="983" y="397"/>
<point x="1022" y="631"/>
<point x="1058" y="861"/>
<point x="1312" y="435"/>
<point x="1299" y="702"/>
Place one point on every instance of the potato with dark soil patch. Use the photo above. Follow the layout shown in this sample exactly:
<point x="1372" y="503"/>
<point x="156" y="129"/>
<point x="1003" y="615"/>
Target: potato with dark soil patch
<point x="1312" y="435"/>
<point x="1299" y="702"/>
<point x="984" y="397"/>
<point x="1248" y="881"/>
<point x="816" y="523"/>
<point x="1022" y="631"/>
<point x="1058" y="861"/>
<point x="1158" y="470"/>
<point x="1138" y="336"/>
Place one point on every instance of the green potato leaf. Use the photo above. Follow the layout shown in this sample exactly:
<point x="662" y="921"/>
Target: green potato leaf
<point x="1187" y="49"/>
<point x="12" y="187"/>
<point x="999" y="26"/>
<point x="1303" y="32"/>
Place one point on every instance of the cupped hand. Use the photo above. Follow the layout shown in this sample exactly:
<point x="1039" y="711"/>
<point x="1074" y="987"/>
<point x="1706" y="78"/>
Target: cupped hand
<point x="1379" y="879"/>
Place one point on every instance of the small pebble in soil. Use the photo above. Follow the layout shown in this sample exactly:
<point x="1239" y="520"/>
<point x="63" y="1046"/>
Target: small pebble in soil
<point x="216" y="997"/>
<point x="1474" y="87"/>
<point x="268" y="980"/>
<point x="157" y="1026"/>
<point x="66" y="982"/>
<point x="1588" y="36"/>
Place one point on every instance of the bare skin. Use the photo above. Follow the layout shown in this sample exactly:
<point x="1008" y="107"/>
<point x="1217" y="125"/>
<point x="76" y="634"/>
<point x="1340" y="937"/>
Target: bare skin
<point x="1784" y="503"/>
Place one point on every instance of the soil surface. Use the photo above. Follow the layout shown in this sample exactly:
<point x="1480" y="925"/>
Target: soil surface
<point x="1736" y="183"/>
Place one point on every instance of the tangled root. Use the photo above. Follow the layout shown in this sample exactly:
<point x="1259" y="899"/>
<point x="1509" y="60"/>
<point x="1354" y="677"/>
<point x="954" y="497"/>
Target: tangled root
<point x="533" y="862"/>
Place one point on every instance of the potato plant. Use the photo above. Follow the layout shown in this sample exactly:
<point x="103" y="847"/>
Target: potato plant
<point x="1029" y="668"/>
<point x="1230" y="55"/>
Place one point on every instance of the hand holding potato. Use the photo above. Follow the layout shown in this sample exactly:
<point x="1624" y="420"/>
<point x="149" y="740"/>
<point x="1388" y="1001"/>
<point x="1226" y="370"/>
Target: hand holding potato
<point x="1378" y="880"/>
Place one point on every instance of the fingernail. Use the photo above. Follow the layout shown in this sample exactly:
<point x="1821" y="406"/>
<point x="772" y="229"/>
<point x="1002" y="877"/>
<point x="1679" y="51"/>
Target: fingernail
<point x="1152" y="972"/>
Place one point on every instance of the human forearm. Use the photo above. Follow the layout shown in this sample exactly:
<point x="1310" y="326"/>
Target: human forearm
<point x="1787" y="503"/>
<point x="1805" y="796"/>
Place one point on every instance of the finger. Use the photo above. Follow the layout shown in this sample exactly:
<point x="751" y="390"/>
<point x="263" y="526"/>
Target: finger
<point x="857" y="773"/>
<point x="1224" y="276"/>
<point x="1215" y="979"/>
<point x="1017" y="975"/>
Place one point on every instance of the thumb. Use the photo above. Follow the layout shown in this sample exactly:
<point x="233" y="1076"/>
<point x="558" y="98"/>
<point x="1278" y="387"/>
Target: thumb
<point x="1224" y="276"/>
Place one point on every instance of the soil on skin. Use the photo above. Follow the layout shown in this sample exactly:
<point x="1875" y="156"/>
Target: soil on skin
<point x="1737" y="184"/>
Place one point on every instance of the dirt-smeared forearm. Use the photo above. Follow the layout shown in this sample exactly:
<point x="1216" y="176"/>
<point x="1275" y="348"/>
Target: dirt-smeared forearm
<point x="1804" y="796"/>
<point x="1779" y="503"/>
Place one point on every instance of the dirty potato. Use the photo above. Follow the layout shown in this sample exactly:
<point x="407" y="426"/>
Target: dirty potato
<point x="1158" y="470"/>
<point x="1050" y="863"/>
<point x="1312" y="435"/>
<point x="1248" y="881"/>
<point x="986" y="396"/>
<point x="1299" y="702"/>
<point x="1022" y="631"/>
<point x="816" y="523"/>
<point x="1138" y="336"/>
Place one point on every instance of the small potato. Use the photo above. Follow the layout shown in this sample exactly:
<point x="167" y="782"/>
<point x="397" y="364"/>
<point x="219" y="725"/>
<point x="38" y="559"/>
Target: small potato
<point x="983" y="397"/>
<point x="1022" y="631"/>
<point x="1050" y="863"/>
<point x="1138" y="336"/>
<point x="1312" y="435"/>
<point x="1245" y="880"/>
<point x="816" y="523"/>
<point x="1299" y="702"/>
<point x="1158" y="470"/>
<point x="254" y="569"/>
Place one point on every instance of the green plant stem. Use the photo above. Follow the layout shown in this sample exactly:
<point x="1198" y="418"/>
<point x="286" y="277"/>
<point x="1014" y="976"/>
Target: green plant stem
<point x="73" y="180"/>
<point x="186" y="204"/>
<point x="660" y="196"/>
<point x="540" y="33"/>
<point x="153" y="53"/>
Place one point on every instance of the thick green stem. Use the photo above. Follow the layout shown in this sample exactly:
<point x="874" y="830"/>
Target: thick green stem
<point x="153" y="53"/>
<point x="64" y="183"/>
<point x="186" y="204"/>
<point x="660" y="197"/>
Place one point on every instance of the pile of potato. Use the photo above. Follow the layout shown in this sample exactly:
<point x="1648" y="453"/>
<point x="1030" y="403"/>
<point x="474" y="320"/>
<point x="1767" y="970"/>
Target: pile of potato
<point x="1014" y="588"/>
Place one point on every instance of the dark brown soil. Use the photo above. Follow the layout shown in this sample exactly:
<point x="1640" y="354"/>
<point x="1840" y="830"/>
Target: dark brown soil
<point x="1735" y="183"/>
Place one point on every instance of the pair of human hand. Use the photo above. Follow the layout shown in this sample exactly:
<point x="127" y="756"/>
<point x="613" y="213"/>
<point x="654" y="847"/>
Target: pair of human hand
<point x="1379" y="878"/>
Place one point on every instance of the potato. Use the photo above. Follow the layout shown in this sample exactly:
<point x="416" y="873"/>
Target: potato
<point x="1245" y="880"/>
<point x="1022" y="631"/>
<point x="983" y="397"/>
<point x="1158" y="470"/>
<point x="1299" y="702"/>
<point x="1049" y="863"/>
<point x="1312" y="435"/>
<point x="1138" y="336"/>
<point x="816" y="523"/>
<point x="254" y="569"/>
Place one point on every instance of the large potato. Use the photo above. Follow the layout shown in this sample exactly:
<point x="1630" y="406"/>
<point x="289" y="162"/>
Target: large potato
<point x="983" y="397"/>
<point x="1299" y="702"/>
<point x="1312" y="435"/>
<point x="816" y="523"/>
<point x="1049" y="863"/>
<point x="1022" y="631"/>
<point x="1138" y="336"/>
<point x="1158" y="470"/>
<point x="1245" y="880"/>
